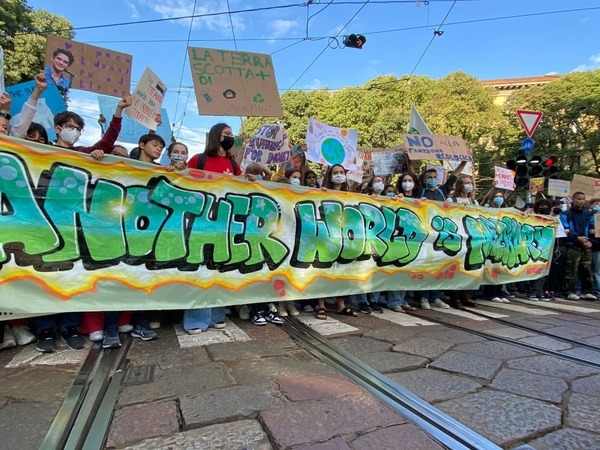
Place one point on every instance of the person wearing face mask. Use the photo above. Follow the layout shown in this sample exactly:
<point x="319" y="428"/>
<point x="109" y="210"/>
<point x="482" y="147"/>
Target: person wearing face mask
<point x="431" y="190"/>
<point x="69" y="125"/>
<point x="294" y="175"/>
<point x="375" y="186"/>
<point x="217" y="156"/>
<point x="258" y="172"/>
<point x="595" y="209"/>
<point x="178" y="155"/>
<point x="408" y="185"/>
<point x="464" y="191"/>
<point x="535" y="288"/>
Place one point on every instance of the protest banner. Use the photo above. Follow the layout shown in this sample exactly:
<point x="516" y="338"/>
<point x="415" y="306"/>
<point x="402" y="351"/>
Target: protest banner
<point x="2" y="88"/>
<point x="270" y="145"/>
<point x="558" y="188"/>
<point x="504" y="178"/>
<point x="588" y="185"/>
<point x="232" y="83"/>
<point x="119" y="234"/>
<point x="147" y="99"/>
<point x="330" y="145"/>
<point x="436" y="147"/>
<point x="94" y="69"/>
<point x="49" y="104"/>
<point x="388" y="162"/>
<point x="131" y="131"/>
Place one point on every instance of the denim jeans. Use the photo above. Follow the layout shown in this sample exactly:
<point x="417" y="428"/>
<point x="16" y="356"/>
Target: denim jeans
<point x="396" y="299"/>
<point x="596" y="271"/>
<point x="203" y="318"/>
<point x="54" y="321"/>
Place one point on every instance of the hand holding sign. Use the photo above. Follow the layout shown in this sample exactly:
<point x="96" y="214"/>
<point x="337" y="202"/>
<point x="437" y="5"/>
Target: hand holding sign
<point x="123" y="103"/>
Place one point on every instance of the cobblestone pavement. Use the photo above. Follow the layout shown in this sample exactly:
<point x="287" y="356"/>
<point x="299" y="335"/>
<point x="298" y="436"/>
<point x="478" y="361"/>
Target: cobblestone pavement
<point x="255" y="388"/>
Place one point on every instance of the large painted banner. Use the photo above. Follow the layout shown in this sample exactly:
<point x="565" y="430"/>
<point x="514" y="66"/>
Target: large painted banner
<point x="77" y="234"/>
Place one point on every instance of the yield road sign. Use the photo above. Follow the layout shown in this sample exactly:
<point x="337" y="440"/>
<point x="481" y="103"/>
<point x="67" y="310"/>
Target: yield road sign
<point x="529" y="119"/>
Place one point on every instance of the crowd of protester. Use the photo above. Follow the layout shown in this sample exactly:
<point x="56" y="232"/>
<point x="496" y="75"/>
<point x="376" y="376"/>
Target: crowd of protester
<point x="574" y="272"/>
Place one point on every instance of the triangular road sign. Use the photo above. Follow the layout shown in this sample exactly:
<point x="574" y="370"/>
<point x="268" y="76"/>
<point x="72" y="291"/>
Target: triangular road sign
<point x="529" y="119"/>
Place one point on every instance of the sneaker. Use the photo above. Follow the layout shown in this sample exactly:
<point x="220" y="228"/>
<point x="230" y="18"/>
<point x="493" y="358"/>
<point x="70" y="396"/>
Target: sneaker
<point x="244" y="312"/>
<point x="308" y="309"/>
<point x="364" y="308"/>
<point x="22" y="335"/>
<point x="543" y="298"/>
<point x="281" y="310"/>
<point x="97" y="336"/>
<point x="497" y="300"/>
<point x="376" y="307"/>
<point x="46" y="341"/>
<point x="273" y="317"/>
<point x="154" y="325"/>
<point x="291" y="308"/>
<point x="505" y="300"/>
<point x="438" y="303"/>
<point x="533" y="298"/>
<point x="589" y="297"/>
<point x="259" y="319"/>
<point x="194" y="331"/>
<point x="126" y="328"/>
<point x="9" y="339"/>
<point x="145" y="333"/>
<point x="219" y="325"/>
<point x="111" y="339"/>
<point x="573" y="297"/>
<point x="425" y="304"/>
<point x="73" y="337"/>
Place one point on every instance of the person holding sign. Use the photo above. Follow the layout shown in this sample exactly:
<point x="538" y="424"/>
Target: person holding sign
<point x="217" y="156"/>
<point x="432" y="190"/>
<point x="22" y="122"/>
<point x="5" y="102"/>
<point x="59" y="66"/>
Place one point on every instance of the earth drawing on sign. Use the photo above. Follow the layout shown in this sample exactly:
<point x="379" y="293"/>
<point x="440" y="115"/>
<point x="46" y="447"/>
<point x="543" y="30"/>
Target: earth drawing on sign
<point x="333" y="151"/>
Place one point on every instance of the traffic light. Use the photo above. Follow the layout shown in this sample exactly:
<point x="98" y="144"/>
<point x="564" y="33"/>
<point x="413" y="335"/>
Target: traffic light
<point x="549" y="166"/>
<point x="535" y="166"/>
<point x="521" y="170"/>
<point x="354" y="41"/>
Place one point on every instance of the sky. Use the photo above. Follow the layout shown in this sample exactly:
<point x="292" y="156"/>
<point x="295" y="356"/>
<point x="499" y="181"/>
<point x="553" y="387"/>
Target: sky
<point x="488" y="39"/>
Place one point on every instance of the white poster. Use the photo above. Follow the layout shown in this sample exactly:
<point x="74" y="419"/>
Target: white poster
<point x="357" y="174"/>
<point x="558" y="188"/>
<point x="270" y="145"/>
<point x="147" y="99"/>
<point x="504" y="178"/>
<point x="330" y="145"/>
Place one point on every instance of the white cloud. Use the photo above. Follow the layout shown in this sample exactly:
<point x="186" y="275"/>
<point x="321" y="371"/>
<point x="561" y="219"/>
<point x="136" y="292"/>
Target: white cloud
<point x="314" y="84"/>
<point x="584" y="20"/>
<point x="282" y="27"/>
<point x="134" y="13"/>
<point x="594" y="63"/>
<point x="177" y="8"/>
<point x="552" y="73"/>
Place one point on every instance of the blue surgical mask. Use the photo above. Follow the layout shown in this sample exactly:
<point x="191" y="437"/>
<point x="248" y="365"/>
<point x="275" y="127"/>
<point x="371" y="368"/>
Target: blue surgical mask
<point x="596" y="209"/>
<point x="295" y="181"/>
<point x="258" y="177"/>
<point x="431" y="182"/>
<point x="390" y="194"/>
<point x="498" y="201"/>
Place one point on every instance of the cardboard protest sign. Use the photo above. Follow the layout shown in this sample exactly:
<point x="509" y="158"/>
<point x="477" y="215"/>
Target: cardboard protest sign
<point x="451" y="166"/>
<point x="504" y="178"/>
<point x="147" y="239"/>
<point x="131" y="131"/>
<point x="232" y="83"/>
<point x="596" y="225"/>
<point x="536" y="185"/>
<point x="440" y="172"/>
<point x="357" y="174"/>
<point x="147" y="99"/>
<point x="436" y="147"/>
<point x="270" y="145"/>
<point x="94" y="69"/>
<point x="296" y="159"/>
<point x="558" y="188"/>
<point x="389" y="162"/>
<point x="2" y="89"/>
<point x="588" y="185"/>
<point x="330" y="145"/>
<point x="49" y="104"/>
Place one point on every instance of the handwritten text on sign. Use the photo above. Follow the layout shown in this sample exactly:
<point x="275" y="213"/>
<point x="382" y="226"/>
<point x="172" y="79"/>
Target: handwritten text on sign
<point x="230" y="83"/>
<point x="78" y="234"/>
<point x="504" y="178"/>
<point x="147" y="99"/>
<point x="97" y="69"/>
<point x="436" y="147"/>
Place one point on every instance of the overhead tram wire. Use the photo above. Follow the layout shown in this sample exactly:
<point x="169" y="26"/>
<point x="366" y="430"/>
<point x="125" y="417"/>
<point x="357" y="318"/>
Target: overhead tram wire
<point x="181" y="76"/>
<point x="236" y="49"/>
<point x="326" y="47"/>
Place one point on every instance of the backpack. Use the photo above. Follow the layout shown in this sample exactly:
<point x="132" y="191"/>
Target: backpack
<point x="202" y="163"/>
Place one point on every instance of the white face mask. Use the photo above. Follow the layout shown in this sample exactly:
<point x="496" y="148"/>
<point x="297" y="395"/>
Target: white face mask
<point x="468" y="188"/>
<point x="69" y="137"/>
<point x="295" y="181"/>
<point x="378" y="187"/>
<point x="339" y="178"/>
<point x="178" y="158"/>
<point x="408" y="185"/>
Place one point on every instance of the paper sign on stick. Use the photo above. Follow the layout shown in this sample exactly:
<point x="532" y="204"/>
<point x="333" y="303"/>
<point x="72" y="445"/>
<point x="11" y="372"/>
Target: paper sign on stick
<point x="558" y="188"/>
<point x="95" y="69"/>
<point x="436" y="147"/>
<point x="356" y="175"/>
<point x="147" y="99"/>
<point x="230" y="83"/>
<point x="504" y="178"/>
<point x="330" y="145"/>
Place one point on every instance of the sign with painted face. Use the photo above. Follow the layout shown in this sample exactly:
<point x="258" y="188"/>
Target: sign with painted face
<point x="75" y="65"/>
<point x="78" y="234"/>
<point x="232" y="83"/>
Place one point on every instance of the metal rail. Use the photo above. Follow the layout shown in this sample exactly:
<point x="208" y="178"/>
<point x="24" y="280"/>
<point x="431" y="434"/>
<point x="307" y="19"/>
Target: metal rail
<point x="443" y="428"/>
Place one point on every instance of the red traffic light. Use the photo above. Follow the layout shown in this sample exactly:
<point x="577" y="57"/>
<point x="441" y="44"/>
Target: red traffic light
<point x="354" y="40"/>
<point x="550" y="161"/>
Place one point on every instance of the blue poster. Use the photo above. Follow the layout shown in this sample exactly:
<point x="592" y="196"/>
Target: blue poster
<point x="49" y="104"/>
<point x="131" y="131"/>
